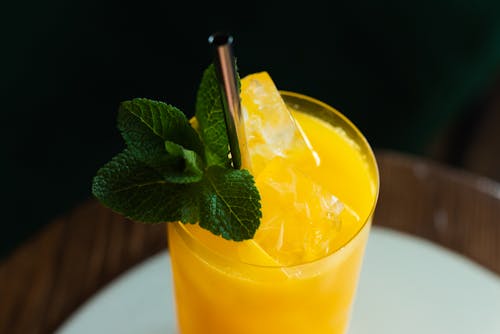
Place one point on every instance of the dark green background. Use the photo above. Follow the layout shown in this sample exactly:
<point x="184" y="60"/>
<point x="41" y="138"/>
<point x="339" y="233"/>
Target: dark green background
<point x="402" y="71"/>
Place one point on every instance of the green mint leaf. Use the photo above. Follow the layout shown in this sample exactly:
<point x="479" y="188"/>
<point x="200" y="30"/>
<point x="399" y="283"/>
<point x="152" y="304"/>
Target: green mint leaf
<point x="210" y="116"/>
<point x="145" y="125"/>
<point x="137" y="191"/>
<point x="192" y="164"/>
<point x="229" y="203"/>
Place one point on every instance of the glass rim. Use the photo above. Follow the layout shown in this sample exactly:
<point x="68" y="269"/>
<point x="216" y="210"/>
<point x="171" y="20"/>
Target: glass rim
<point x="372" y="163"/>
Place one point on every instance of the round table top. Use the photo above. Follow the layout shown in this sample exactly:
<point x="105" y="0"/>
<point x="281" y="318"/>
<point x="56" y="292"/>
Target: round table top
<point x="47" y="278"/>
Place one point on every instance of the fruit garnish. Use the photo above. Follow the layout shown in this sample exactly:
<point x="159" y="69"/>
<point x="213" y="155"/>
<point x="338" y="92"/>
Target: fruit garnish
<point x="270" y="127"/>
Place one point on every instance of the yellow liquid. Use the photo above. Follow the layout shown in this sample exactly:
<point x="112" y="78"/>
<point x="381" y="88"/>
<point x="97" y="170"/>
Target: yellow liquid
<point x="238" y="288"/>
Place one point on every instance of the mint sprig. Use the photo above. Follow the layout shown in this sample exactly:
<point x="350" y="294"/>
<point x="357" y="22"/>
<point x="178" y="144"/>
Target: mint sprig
<point x="173" y="172"/>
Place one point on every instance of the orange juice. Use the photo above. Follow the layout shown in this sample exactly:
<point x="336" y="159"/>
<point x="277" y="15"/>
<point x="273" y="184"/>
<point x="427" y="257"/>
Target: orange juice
<point x="292" y="277"/>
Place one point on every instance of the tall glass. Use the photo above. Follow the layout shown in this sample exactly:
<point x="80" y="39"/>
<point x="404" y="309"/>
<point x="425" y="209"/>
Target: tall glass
<point x="215" y="292"/>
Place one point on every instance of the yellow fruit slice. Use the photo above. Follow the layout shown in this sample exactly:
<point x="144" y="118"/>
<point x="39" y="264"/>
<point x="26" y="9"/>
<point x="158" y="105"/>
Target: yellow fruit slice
<point x="270" y="128"/>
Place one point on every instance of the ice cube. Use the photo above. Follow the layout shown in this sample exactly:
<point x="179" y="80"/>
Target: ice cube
<point x="300" y="217"/>
<point x="270" y="128"/>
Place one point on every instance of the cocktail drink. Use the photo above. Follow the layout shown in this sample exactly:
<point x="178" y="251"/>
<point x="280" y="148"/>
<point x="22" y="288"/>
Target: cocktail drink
<point x="299" y="273"/>
<point x="266" y="232"/>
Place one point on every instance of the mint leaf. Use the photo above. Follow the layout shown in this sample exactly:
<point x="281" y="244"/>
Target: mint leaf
<point x="137" y="191"/>
<point x="192" y="165"/>
<point x="148" y="125"/>
<point x="145" y="125"/>
<point x="230" y="203"/>
<point x="210" y="116"/>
